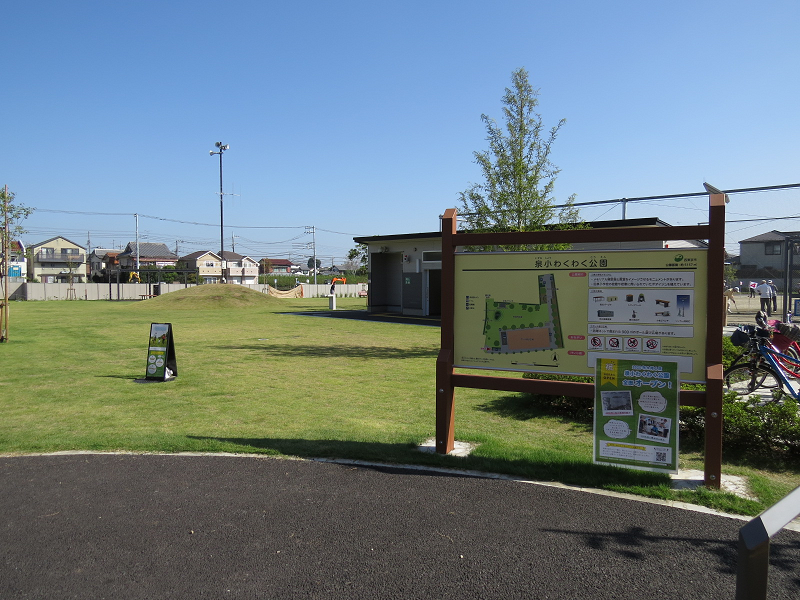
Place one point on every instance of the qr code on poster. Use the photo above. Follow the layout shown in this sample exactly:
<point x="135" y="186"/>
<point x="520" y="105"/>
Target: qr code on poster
<point x="661" y="457"/>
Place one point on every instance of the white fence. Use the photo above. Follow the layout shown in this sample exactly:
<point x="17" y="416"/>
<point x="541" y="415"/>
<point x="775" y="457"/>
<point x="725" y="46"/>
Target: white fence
<point x="139" y="291"/>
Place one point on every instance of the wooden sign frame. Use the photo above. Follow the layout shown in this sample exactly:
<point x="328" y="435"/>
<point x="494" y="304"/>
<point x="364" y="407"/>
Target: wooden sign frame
<point x="711" y="399"/>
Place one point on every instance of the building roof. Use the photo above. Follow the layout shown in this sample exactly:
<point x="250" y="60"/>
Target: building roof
<point x="279" y="262"/>
<point x="58" y="237"/>
<point x="103" y="251"/>
<point x="644" y="222"/>
<point x="198" y="254"/>
<point x="149" y="250"/>
<point x="772" y="236"/>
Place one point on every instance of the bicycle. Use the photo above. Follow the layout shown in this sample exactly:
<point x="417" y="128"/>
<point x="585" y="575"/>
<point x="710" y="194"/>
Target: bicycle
<point x="762" y="372"/>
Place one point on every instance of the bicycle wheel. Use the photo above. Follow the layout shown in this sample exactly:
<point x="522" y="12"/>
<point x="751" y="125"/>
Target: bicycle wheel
<point x="792" y="366"/>
<point x="759" y="383"/>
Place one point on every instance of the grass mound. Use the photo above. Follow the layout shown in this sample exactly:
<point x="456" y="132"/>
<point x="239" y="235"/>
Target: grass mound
<point x="213" y="295"/>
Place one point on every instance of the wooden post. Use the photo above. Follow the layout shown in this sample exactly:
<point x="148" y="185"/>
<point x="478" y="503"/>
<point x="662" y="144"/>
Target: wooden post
<point x="445" y="392"/>
<point x="714" y="323"/>
<point x="4" y="269"/>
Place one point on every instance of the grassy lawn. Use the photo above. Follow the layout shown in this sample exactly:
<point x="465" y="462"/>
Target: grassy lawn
<point x="256" y="375"/>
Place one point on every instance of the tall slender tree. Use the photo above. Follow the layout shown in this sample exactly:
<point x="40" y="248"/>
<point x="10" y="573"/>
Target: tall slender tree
<point x="517" y="191"/>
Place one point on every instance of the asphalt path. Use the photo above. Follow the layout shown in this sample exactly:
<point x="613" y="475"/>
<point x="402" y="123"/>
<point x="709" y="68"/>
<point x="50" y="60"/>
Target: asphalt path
<point x="158" y="526"/>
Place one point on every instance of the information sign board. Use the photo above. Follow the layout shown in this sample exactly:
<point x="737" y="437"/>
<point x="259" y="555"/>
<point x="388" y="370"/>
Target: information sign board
<point x="636" y="414"/>
<point x="558" y="312"/>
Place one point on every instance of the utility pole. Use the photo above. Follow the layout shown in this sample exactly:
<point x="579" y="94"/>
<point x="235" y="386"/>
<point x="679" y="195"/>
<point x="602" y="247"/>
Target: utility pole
<point x="138" y="277"/>
<point x="313" y="231"/>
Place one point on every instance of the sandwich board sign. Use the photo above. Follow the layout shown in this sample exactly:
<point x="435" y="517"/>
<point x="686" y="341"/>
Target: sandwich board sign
<point x="161" y="362"/>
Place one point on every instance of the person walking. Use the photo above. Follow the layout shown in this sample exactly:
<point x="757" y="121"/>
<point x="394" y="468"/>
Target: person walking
<point x="765" y="292"/>
<point x="774" y="295"/>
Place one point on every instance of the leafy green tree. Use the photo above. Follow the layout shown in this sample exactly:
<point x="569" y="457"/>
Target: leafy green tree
<point x="15" y="213"/>
<point x="358" y="259"/>
<point x="517" y="191"/>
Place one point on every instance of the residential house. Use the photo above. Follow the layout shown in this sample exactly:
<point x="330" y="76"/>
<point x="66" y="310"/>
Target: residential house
<point x="239" y="268"/>
<point x="149" y="255"/>
<point x="405" y="270"/>
<point x="277" y="266"/>
<point x="765" y="254"/>
<point x="207" y="265"/>
<point x="57" y="260"/>
<point x="99" y="261"/>
<point x="17" y="264"/>
<point x="236" y="268"/>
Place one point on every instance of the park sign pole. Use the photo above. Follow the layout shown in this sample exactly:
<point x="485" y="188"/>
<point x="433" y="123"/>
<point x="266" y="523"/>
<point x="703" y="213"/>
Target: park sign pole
<point x="709" y="363"/>
<point x="4" y="269"/>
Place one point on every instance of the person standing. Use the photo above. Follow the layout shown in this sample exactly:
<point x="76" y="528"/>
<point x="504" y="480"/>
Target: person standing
<point x="765" y="292"/>
<point x="774" y="295"/>
<point x="729" y="297"/>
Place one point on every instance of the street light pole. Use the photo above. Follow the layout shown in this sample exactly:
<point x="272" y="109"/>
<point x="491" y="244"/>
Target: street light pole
<point x="221" y="148"/>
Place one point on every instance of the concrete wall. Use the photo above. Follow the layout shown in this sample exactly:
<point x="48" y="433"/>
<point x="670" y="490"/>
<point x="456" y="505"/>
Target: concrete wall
<point x="136" y="291"/>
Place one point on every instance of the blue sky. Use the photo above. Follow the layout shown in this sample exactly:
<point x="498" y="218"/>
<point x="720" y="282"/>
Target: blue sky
<point x="361" y="117"/>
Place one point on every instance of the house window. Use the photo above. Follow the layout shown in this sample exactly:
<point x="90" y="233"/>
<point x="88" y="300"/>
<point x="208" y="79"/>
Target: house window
<point x="772" y="248"/>
<point x="431" y="256"/>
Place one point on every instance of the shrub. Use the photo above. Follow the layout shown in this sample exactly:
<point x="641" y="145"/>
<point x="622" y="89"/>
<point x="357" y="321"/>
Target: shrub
<point x="749" y="428"/>
<point x="729" y="352"/>
<point x="577" y="409"/>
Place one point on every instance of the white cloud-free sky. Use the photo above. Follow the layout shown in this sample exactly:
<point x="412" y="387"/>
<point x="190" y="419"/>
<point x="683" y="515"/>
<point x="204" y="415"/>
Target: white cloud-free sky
<point x="361" y="117"/>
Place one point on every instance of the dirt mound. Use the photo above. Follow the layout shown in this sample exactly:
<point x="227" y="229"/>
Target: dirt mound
<point x="212" y="295"/>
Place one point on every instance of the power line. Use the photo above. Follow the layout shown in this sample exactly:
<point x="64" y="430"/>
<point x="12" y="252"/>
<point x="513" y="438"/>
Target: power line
<point x="766" y="188"/>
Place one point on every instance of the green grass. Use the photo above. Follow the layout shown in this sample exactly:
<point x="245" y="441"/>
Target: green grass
<point x="255" y="375"/>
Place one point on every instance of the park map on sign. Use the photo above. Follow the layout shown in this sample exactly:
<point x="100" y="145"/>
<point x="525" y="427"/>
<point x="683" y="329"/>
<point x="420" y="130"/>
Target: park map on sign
<point x="512" y="327"/>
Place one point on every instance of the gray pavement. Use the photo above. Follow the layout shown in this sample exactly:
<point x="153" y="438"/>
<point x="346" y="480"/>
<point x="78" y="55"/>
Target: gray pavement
<point x="158" y="526"/>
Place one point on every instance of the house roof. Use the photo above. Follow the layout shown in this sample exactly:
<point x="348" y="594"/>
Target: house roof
<point x="198" y="254"/>
<point x="772" y="236"/>
<point x="58" y="237"/>
<point x="279" y="262"/>
<point x="149" y="250"/>
<point x="103" y="251"/>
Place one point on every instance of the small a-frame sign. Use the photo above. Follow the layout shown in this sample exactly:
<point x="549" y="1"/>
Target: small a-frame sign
<point x="161" y="362"/>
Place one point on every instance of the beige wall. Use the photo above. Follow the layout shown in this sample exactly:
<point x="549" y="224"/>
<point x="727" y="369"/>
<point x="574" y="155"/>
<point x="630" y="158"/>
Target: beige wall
<point x="133" y="291"/>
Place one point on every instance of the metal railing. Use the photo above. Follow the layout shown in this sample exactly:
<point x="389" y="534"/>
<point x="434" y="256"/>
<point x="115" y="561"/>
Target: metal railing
<point x="60" y="257"/>
<point x="752" y="570"/>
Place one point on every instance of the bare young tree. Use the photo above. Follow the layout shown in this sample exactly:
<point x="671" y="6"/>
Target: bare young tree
<point x="12" y="216"/>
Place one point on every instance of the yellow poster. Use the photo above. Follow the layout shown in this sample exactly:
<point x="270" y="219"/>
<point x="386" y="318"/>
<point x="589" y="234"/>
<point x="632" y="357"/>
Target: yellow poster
<point x="558" y="312"/>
